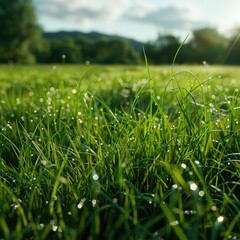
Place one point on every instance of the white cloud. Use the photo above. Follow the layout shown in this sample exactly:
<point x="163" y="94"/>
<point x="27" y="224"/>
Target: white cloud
<point x="170" y="18"/>
<point x="90" y="12"/>
<point x="82" y="11"/>
<point x="139" y="10"/>
<point x="140" y="18"/>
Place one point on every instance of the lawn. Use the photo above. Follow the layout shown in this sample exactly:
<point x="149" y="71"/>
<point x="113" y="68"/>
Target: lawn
<point x="119" y="152"/>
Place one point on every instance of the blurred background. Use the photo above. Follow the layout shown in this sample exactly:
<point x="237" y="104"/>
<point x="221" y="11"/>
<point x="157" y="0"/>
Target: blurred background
<point x="115" y="32"/>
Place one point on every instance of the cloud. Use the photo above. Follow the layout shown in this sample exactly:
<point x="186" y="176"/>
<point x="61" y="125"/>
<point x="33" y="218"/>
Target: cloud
<point x="120" y="16"/>
<point x="169" y="18"/>
<point x="82" y="11"/>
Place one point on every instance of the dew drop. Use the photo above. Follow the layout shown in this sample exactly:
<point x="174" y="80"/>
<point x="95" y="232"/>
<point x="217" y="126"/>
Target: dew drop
<point x="40" y="226"/>
<point x="183" y="165"/>
<point x="95" y="176"/>
<point x="220" y="219"/>
<point x="214" y="208"/>
<point x="174" y="223"/>
<point x="201" y="193"/>
<point x="175" y="186"/>
<point x="54" y="228"/>
<point x="94" y="202"/>
<point x="80" y="205"/>
<point x="193" y="186"/>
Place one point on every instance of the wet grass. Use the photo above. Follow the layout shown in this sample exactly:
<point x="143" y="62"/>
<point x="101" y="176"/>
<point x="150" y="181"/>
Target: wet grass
<point x="116" y="152"/>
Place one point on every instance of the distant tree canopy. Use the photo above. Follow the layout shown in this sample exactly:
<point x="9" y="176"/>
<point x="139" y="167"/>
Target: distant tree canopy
<point x="205" y="44"/>
<point x="114" y="51"/>
<point x="208" y="44"/>
<point x="65" y="50"/>
<point x="19" y="33"/>
<point x="232" y="55"/>
<point x="163" y="49"/>
<point x="105" y="50"/>
<point x="22" y="41"/>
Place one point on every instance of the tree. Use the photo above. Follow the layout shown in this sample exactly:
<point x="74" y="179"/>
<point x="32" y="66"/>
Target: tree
<point x="86" y="45"/>
<point x="168" y="45"/>
<point x="162" y="50"/>
<point x="19" y="33"/>
<point x="208" y="45"/>
<point x="152" y="53"/>
<point x="233" y="51"/>
<point x="114" y="51"/>
<point x="65" y="50"/>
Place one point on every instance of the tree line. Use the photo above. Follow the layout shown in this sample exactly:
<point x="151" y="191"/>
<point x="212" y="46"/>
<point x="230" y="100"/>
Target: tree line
<point x="23" y="41"/>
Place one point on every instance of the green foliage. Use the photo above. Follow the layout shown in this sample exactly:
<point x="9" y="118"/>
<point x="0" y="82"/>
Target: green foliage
<point x="20" y="41"/>
<point x="162" y="50"/>
<point x="65" y="50"/>
<point x="209" y="45"/>
<point x="205" y="45"/>
<point x="232" y="55"/>
<point x="83" y="49"/>
<point x="114" y="51"/>
<point x="96" y="152"/>
<point x="19" y="34"/>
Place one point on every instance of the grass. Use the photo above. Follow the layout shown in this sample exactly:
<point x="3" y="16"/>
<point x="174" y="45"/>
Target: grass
<point x="115" y="152"/>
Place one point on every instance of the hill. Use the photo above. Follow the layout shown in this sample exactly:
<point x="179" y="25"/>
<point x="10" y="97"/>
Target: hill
<point x="137" y="45"/>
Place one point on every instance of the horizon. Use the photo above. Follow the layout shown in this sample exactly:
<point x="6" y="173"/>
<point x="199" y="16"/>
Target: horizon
<point x="144" y="21"/>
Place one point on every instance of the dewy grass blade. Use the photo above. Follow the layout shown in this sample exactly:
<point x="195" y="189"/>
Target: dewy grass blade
<point x="153" y="155"/>
<point x="173" y="222"/>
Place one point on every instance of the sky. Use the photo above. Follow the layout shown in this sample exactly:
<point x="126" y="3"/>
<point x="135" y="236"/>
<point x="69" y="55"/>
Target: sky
<point x="138" y="19"/>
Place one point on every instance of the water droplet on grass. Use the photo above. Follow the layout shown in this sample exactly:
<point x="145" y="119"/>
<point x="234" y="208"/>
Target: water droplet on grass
<point x="174" y="223"/>
<point x="95" y="176"/>
<point x="214" y="208"/>
<point x="220" y="219"/>
<point x="54" y="228"/>
<point x="15" y="206"/>
<point x="40" y="226"/>
<point x="18" y="101"/>
<point x="190" y="212"/>
<point x="201" y="193"/>
<point x="94" y="202"/>
<point x="81" y="203"/>
<point x="193" y="186"/>
<point x="183" y="165"/>
<point x="226" y="89"/>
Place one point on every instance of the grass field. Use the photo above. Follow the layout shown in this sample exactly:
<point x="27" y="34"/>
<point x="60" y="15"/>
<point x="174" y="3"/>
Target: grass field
<point x="119" y="152"/>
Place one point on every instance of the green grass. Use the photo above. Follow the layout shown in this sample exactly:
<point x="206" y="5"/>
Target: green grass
<point x="116" y="152"/>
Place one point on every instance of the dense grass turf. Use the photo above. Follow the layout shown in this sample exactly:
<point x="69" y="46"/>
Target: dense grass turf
<point x="100" y="152"/>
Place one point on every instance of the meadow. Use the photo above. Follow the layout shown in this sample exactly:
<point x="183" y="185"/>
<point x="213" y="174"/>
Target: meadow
<point x="119" y="152"/>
